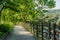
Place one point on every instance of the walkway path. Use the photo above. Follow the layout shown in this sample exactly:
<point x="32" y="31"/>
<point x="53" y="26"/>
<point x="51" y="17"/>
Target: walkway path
<point x="20" y="34"/>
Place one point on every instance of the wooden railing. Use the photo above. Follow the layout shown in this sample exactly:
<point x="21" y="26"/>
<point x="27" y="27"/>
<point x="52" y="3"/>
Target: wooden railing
<point x="49" y="32"/>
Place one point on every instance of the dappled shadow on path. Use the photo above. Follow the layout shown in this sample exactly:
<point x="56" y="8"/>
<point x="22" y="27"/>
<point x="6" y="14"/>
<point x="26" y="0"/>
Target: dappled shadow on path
<point x="20" y="34"/>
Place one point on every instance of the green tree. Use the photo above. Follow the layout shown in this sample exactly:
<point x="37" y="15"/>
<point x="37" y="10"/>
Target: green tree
<point x="26" y="8"/>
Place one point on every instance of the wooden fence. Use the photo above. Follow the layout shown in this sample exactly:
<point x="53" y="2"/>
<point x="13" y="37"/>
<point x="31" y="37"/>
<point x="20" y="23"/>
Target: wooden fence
<point x="48" y="31"/>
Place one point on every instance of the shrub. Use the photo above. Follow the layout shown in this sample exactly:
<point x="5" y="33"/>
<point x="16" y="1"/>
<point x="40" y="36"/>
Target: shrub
<point x="1" y="34"/>
<point x="6" y="27"/>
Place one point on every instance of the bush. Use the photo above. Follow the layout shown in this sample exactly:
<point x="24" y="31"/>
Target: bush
<point x="1" y="34"/>
<point x="6" y="27"/>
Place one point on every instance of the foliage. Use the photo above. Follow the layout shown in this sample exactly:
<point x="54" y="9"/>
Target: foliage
<point x="26" y="9"/>
<point x="6" y="27"/>
<point x="1" y="34"/>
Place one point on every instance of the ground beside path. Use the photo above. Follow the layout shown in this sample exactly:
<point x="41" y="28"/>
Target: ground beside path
<point x="20" y="33"/>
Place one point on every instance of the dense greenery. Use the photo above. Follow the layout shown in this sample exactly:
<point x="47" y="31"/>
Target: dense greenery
<point x="6" y="27"/>
<point x="24" y="10"/>
<point x="1" y="34"/>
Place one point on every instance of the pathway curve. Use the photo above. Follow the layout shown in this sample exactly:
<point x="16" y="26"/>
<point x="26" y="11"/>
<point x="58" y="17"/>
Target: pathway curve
<point x="20" y="33"/>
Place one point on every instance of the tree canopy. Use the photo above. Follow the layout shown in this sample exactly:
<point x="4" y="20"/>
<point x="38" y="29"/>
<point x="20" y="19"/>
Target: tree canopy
<point x="24" y="10"/>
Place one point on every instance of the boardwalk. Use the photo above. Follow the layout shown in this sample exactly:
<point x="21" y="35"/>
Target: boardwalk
<point x="20" y="34"/>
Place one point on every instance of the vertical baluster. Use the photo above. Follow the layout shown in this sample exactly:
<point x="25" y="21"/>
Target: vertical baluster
<point x="54" y="25"/>
<point x="37" y="30"/>
<point x="49" y="30"/>
<point x="42" y="30"/>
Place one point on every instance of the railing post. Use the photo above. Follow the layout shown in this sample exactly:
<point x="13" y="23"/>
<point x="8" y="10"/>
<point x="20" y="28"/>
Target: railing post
<point x="34" y="29"/>
<point x="49" y="30"/>
<point x="37" y="30"/>
<point x="42" y="30"/>
<point x="54" y="27"/>
<point x="31" y="28"/>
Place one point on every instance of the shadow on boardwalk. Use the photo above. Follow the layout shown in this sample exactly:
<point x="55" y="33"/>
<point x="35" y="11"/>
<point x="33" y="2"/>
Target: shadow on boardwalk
<point x="20" y="34"/>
